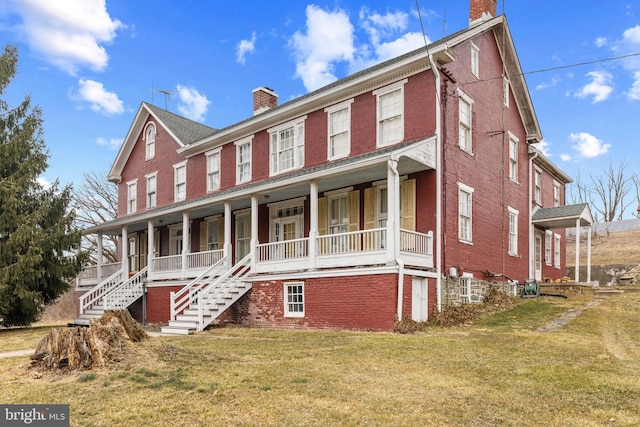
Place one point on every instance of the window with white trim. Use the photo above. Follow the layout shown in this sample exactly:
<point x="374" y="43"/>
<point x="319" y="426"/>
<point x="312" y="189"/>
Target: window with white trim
<point x="475" y="60"/>
<point x="513" y="231"/>
<point x="513" y="157"/>
<point x="294" y="299"/>
<point x="538" y="186"/>
<point x="243" y="160"/>
<point x="180" y="181"/>
<point x="465" y="121"/>
<point x="151" y="190"/>
<point x="339" y="214"/>
<point x="465" y="289"/>
<point x="556" y="250"/>
<point x="132" y="194"/>
<point x="547" y="247"/>
<point x="286" y="147"/>
<point x="465" y="213"/>
<point x="213" y="233"/>
<point x="556" y="193"/>
<point x="213" y="169"/>
<point x="505" y="91"/>
<point x="390" y="113"/>
<point x="339" y="130"/>
<point x="150" y="142"/>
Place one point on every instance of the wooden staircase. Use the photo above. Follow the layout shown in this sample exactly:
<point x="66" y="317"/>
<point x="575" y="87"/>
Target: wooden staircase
<point x="113" y="293"/>
<point x="199" y="303"/>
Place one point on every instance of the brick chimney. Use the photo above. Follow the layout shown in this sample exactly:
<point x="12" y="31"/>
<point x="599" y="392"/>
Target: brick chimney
<point x="263" y="99"/>
<point x="482" y="10"/>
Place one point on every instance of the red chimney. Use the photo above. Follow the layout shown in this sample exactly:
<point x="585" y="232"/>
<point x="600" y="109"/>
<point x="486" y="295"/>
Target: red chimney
<point x="263" y="99"/>
<point x="481" y="9"/>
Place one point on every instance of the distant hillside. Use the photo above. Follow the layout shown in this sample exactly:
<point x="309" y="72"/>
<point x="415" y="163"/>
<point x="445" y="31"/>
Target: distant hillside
<point x="614" y="248"/>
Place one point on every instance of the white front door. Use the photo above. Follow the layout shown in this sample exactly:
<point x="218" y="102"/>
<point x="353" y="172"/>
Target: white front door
<point x="243" y="235"/>
<point x="538" y="255"/>
<point x="419" y="300"/>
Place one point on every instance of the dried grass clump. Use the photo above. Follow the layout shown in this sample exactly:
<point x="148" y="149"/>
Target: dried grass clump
<point x="106" y="340"/>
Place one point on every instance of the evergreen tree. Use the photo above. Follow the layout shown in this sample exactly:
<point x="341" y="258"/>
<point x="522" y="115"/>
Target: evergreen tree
<point x="38" y="238"/>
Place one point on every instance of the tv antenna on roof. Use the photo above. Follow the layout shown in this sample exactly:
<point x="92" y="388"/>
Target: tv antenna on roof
<point x="166" y="93"/>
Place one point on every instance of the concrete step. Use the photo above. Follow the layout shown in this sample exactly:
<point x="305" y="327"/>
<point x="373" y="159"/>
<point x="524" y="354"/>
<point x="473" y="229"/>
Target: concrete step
<point x="174" y="330"/>
<point x="184" y="323"/>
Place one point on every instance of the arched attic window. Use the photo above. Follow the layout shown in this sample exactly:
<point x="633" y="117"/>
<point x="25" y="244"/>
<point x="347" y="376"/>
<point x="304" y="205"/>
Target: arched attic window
<point x="150" y="141"/>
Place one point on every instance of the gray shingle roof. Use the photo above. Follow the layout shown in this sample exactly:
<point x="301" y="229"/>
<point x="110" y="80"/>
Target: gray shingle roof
<point x="563" y="216"/>
<point x="186" y="130"/>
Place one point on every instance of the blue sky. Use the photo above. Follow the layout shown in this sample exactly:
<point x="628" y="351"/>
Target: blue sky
<point x="89" y="64"/>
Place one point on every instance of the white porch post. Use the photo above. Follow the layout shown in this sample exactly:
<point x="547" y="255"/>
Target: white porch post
<point x="577" y="278"/>
<point x="313" y="227"/>
<point x="254" y="231"/>
<point x="227" y="234"/>
<point x="99" y="258"/>
<point x="124" y="249"/>
<point x="393" y="210"/>
<point x="185" y="242"/>
<point x="589" y="254"/>
<point x="150" y="246"/>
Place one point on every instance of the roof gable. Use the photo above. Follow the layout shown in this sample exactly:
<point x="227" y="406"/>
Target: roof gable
<point x="181" y="129"/>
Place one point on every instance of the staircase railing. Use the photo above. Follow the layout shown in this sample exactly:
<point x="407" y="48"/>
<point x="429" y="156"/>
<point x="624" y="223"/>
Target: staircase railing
<point x="188" y="294"/>
<point x="126" y="293"/>
<point x="95" y="294"/>
<point x="208" y="296"/>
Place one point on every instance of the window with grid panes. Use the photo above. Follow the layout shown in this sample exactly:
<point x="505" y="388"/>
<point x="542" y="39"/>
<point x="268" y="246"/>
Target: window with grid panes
<point x="294" y="299"/>
<point x="213" y="171"/>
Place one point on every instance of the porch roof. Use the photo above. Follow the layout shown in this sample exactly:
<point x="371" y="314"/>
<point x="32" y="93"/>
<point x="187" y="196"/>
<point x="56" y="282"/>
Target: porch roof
<point x="563" y="216"/>
<point x="412" y="156"/>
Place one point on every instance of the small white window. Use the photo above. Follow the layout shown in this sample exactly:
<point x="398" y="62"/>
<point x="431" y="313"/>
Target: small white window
<point x="243" y="160"/>
<point x="465" y="122"/>
<point x="538" y="187"/>
<point x="556" y="250"/>
<point x="513" y="157"/>
<point x="150" y="142"/>
<point x="465" y="290"/>
<point x="294" y="299"/>
<point x="465" y="213"/>
<point x="513" y="231"/>
<point x="180" y="181"/>
<point x="390" y="114"/>
<point x="213" y="170"/>
<point x="556" y="193"/>
<point x="505" y="91"/>
<point x="151" y="190"/>
<point x="547" y="247"/>
<point x="132" y="194"/>
<point x="286" y="148"/>
<point x="339" y="130"/>
<point x="475" y="60"/>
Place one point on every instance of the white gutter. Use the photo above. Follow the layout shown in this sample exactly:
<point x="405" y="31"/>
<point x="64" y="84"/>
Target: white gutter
<point x="532" y="255"/>
<point x="438" y="263"/>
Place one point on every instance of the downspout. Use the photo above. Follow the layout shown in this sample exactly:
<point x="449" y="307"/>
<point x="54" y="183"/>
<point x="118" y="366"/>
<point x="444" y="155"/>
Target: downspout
<point x="532" y="256"/>
<point x="396" y="180"/>
<point x="436" y="74"/>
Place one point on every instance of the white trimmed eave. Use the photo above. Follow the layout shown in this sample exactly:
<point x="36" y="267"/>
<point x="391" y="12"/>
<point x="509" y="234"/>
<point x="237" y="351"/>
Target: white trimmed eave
<point x="550" y="167"/>
<point x="115" y="174"/>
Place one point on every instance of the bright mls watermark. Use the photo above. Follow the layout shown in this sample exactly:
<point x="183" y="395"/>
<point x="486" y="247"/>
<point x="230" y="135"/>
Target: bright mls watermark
<point x="34" y="415"/>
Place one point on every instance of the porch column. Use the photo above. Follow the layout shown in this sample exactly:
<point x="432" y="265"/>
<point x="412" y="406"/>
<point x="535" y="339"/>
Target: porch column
<point x="226" y="249"/>
<point x="589" y="254"/>
<point x="150" y="247"/>
<point x="185" y="242"/>
<point x="577" y="278"/>
<point x="313" y="226"/>
<point x="254" y="231"/>
<point x="124" y="252"/>
<point x="99" y="259"/>
<point x="393" y="210"/>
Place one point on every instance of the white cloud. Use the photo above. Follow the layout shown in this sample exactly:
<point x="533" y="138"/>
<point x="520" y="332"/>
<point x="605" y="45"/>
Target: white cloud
<point x="378" y="26"/>
<point x="44" y="182"/>
<point x="112" y="143"/>
<point x="193" y="105"/>
<point x="600" y="87"/>
<point x="565" y="157"/>
<point x="543" y="147"/>
<point x="67" y="33"/>
<point x="100" y="100"/>
<point x="634" y="92"/>
<point x="244" y="47"/>
<point x="554" y="81"/>
<point x="329" y="39"/>
<point x="601" y="41"/>
<point x="630" y="44"/>
<point x="587" y="145"/>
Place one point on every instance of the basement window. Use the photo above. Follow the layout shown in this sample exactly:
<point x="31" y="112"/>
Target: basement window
<point x="294" y="299"/>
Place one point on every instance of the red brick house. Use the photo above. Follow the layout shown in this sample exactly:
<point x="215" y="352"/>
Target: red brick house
<point x="344" y="208"/>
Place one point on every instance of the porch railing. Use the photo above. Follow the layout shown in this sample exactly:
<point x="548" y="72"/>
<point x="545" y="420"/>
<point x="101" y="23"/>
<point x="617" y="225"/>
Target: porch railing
<point x="288" y="249"/>
<point x="94" y="296"/>
<point x="204" y="259"/>
<point x="189" y="293"/>
<point x="417" y="243"/>
<point x="124" y="294"/>
<point x="352" y="241"/>
<point x="166" y="263"/>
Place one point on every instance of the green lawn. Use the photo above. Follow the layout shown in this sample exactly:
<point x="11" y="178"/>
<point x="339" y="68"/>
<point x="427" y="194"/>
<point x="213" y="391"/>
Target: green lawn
<point x="500" y="371"/>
